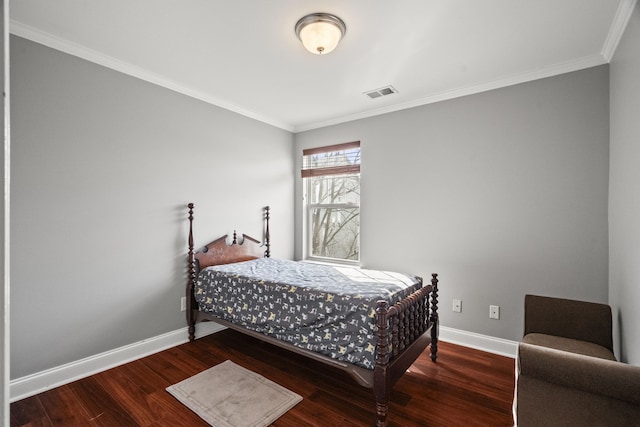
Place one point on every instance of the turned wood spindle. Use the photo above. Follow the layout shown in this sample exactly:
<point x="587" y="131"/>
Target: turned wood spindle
<point x="434" y="317"/>
<point x="192" y="278"/>
<point x="267" y="236"/>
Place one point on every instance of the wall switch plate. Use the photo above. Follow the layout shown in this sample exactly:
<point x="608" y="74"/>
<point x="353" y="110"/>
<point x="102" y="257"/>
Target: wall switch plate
<point x="457" y="306"/>
<point x="494" y="312"/>
<point x="183" y="304"/>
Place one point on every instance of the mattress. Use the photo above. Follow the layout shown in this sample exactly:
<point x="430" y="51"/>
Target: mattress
<point x="323" y="308"/>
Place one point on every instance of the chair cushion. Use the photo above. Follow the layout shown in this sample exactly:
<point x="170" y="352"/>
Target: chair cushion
<point x="570" y="345"/>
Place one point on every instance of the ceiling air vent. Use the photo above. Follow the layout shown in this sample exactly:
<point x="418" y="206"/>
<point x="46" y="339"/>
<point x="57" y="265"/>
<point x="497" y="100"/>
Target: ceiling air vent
<point x="383" y="91"/>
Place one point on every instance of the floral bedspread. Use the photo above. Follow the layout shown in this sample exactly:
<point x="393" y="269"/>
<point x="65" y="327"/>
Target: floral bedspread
<point x="324" y="308"/>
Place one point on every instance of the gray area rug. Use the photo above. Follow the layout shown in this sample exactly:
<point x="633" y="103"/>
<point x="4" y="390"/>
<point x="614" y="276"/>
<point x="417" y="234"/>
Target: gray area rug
<point x="229" y="395"/>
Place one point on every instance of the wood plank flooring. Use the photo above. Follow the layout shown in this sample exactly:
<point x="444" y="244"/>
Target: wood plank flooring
<point x="465" y="387"/>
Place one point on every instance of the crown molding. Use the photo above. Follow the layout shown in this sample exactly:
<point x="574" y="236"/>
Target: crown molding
<point x="554" y="70"/>
<point x="623" y="14"/>
<point x="620" y="21"/>
<point x="30" y="33"/>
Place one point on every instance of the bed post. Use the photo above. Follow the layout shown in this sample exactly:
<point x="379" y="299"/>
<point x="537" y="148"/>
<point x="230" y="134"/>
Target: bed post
<point x="380" y="381"/>
<point x="191" y="321"/>
<point x="434" y="317"/>
<point x="267" y="237"/>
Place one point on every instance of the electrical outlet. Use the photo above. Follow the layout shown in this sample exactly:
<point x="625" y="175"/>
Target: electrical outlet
<point x="457" y="306"/>
<point x="183" y="304"/>
<point x="494" y="312"/>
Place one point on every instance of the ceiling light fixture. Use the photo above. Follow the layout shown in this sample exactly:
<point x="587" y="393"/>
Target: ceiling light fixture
<point x="320" y="33"/>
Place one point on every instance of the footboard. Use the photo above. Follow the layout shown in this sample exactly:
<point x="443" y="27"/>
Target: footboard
<point x="404" y="330"/>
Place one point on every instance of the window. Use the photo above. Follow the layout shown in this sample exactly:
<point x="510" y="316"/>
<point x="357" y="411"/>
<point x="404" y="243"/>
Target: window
<point x="332" y="201"/>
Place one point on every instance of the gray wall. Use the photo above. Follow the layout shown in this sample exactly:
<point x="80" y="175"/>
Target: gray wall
<point x="624" y="192"/>
<point x="502" y="193"/>
<point x="102" y="167"/>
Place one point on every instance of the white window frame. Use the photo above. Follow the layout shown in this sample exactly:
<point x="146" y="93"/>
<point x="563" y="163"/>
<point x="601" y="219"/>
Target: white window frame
<point x="308" y="212"/>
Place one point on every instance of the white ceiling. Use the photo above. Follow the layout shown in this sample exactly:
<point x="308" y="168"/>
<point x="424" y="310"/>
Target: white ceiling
<point x="243" y="55"/>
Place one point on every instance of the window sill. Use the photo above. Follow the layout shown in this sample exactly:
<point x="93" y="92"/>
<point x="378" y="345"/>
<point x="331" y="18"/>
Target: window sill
<point x="332" y="262"/>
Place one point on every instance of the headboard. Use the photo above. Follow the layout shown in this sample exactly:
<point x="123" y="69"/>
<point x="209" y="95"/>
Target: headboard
<point x="220" y="252"/>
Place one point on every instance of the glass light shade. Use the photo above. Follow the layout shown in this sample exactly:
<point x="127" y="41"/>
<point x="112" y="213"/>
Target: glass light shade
<point x="320" y="33"/>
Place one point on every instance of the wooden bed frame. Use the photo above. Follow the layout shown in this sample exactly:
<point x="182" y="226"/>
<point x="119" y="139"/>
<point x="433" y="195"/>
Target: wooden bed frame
<point x="405" y="329"/>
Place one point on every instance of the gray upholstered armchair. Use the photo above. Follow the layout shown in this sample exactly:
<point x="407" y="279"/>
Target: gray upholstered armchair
<point x="567" y="374"/>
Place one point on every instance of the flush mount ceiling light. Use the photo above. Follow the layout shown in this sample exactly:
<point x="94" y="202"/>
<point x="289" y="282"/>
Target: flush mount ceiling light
<point x="320" y="32"/>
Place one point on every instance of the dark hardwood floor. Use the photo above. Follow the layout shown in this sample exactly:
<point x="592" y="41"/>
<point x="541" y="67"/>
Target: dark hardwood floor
<point x="465" y="387"/>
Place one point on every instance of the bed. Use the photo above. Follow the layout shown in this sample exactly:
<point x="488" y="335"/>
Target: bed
<point x="371" y="324"/>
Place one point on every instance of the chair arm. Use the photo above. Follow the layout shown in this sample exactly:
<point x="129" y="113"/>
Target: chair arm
<point x="579" y="320"/>
<point x="590" y="374"/>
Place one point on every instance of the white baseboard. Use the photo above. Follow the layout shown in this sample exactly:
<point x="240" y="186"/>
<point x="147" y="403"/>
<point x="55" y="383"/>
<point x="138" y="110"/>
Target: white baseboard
<point x="486" y="343"/>
<point x="33" y="384"/>
<point x="30" y="385"/>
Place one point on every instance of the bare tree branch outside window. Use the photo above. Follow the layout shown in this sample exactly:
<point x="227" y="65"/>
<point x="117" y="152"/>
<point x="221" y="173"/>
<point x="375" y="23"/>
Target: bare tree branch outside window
<point x="334" y="207"/>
